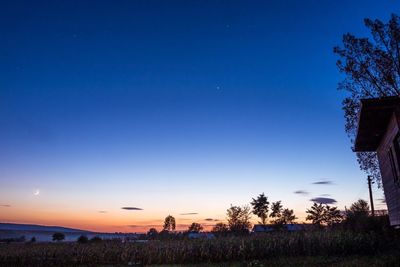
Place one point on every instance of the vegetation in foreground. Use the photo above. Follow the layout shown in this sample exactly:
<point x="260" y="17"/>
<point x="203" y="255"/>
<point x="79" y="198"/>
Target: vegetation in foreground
<point x="268" y="246"/>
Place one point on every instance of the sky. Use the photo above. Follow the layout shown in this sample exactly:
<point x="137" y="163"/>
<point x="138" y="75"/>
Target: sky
<point x="115" y="114"/>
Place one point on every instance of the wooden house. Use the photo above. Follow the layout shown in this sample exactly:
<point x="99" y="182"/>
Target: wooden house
<point x="379" y="130"/>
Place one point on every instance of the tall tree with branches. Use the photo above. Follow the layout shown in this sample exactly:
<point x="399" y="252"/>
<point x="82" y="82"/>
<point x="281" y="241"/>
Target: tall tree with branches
<point x="169" y="223"/>
<point x="260" y="208"/>
<point x="372" y="69"/>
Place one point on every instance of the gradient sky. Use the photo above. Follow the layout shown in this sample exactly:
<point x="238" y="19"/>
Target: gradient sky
<point x="173" y="107"/>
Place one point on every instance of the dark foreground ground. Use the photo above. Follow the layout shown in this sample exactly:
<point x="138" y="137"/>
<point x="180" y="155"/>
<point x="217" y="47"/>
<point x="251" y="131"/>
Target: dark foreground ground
<point x="317" y="248"/>
<point x="388" y="259"/>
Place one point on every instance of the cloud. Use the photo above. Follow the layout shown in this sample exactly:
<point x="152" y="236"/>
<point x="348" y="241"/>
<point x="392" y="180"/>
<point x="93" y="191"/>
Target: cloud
<point x="189" y="213"/>
<point x="301" y="192"/>
<point x="323" y="200"/>
<point x="211" y="220"/>
<point x="382" y="200"/>
<point x="325" y="195"/>
<point x="5" y="205"/>
<point x="323" y="182"/>
<point x="144" y="226"/>
<point x="131" y="208"/>
<point x="102" y="211"/>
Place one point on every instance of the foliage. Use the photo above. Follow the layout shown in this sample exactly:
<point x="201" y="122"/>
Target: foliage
<point x="358" y="219"/>
<point x="82" y="239"/>
<point x="359" y="208"/>
<point x="195" y="227"/>
<point x="260" y="208"/>
<point x="372" y="69"/>
<point x="58" y="237"/>
<point x="276" y="212"/>
<point x="169" y="223"/>
<point x="287" y="217"/>
<point x="239" y="219"/>
<point x="228" y="249"/>
<point x="220" y="229"/>
<point x="332" y="215"/>
<point x="321" y="214"/>
<point x="152" y="233"/>
<point x="33" y="239"/>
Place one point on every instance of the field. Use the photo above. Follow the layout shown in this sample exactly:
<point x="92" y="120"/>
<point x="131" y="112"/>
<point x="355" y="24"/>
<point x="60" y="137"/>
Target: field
<point x="333" y="248"/>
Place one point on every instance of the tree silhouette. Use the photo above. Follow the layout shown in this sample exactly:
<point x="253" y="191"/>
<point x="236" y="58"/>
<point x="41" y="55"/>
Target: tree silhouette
<point x="287" y="217"/>
<point x="360" y="207"/>
<point x="58" y="237"/>
<point x="239" y="219"/>
<point x="195" y="227"/>
<point x="372" y="69"/>
<point x="220" y="228"/>
<point x="260" y="208"/>
<point x="276" y="211"/>
<point x="316" y="214"/>
<point x="332" y="215"/>
<point x="321" y="214"/>
<point x="169" y="223"/>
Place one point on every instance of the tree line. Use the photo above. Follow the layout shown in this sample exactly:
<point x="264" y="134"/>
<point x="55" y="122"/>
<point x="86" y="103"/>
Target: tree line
<point x="274" y="214"/>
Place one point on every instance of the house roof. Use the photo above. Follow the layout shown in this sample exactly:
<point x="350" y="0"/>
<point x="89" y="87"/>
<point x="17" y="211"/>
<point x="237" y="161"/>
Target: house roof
<point x="373" y="121"/>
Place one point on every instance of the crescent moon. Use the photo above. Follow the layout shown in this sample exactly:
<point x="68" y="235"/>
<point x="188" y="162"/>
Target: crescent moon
<point x="37" y="192"/>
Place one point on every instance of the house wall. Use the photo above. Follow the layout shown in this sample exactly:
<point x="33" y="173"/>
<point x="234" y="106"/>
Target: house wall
<point x="391" y="190"/>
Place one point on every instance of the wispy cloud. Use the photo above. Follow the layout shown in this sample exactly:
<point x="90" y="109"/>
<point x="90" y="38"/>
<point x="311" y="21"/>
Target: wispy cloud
<point x="189" y="213"/>
<point x="102" y="211"/>
<point x="5" y="205"/>
<point x="325" y="182"/>
<point x="131" y="208"/>
<point x="382" y="200"/>
<point x="147" y="225"/>
<point x="211" y="220"/>
<point x="323" y="200"/>
<point x="301" y="192"/>
<point x="325" y="195"/>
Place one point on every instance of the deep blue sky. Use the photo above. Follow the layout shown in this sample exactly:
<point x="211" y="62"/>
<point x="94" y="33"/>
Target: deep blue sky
<point x="194" y="104"/>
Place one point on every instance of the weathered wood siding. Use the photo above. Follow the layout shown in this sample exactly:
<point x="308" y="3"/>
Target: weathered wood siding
<point x="392" y="190"/>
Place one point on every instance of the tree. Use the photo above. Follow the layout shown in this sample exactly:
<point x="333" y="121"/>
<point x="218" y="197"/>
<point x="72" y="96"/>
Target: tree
<point x="321" y="214"/>
<point x="220" y="228"/>
<point x="316" y="214"/>
<point x="239" y="219"/>
<point x="83" y="239"/>
<point x="359" y="208"/>
<point x="276" y="211"/>
<point x="195" y="227"/>
<point x="152" y="233"/>
<point x="260" y="208"/>
<point x="169" y="223"/>
<point x="287" y="217"/>
<point x="332" y="215"/>
<point x="33" y="239"/>
<point x="372" y="69"/>
<point x="58" y="237"/>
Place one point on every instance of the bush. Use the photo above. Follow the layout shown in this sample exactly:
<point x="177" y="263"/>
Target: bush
<point x="83" y="239"/>
<point x="58" y="237"/>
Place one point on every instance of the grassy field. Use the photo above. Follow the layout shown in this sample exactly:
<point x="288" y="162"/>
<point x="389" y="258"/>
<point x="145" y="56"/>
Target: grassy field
<point x="387" y="259"/>
<point x="333" y="248"/>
